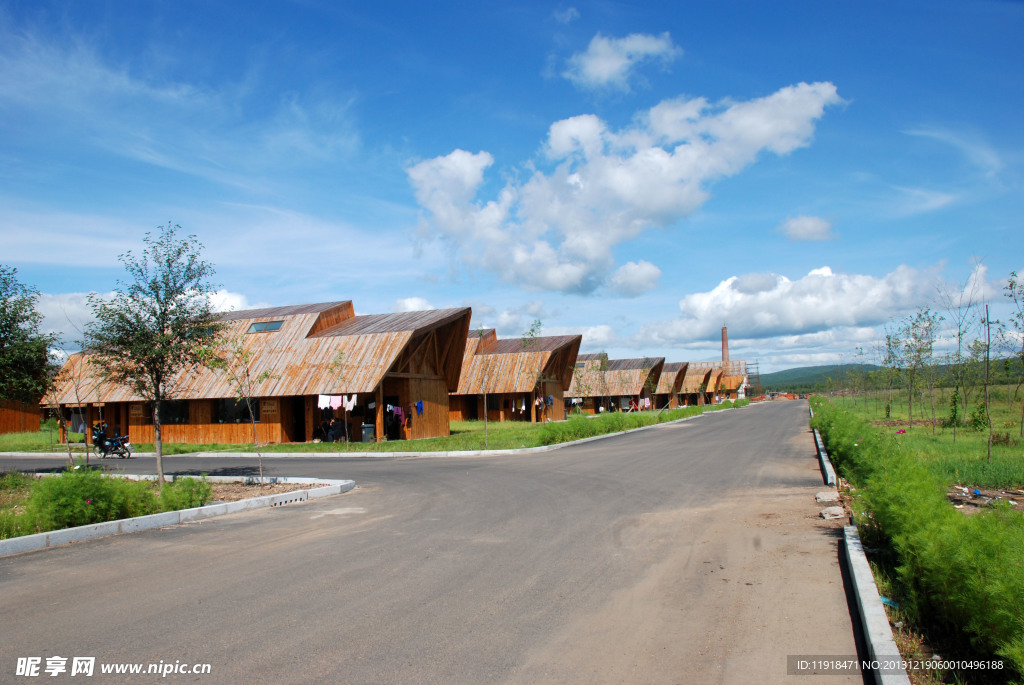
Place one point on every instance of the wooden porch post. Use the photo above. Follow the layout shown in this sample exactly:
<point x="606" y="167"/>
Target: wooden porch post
<point x="380" y="410"/>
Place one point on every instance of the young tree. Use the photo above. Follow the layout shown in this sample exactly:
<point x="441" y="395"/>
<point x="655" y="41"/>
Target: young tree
<point x="959" y="302"/>
<point x="1014" y="289"/>
<point x="235" y="362"/>
<point x="917" y="336"/>
<point x="26" y="368"/>
<point x="892" y="363"/>
<point x="158" y="323"/>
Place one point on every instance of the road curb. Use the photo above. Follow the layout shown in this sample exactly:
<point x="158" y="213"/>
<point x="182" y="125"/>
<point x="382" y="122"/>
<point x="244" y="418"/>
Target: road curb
<point x="827" y="472"/>
<point x="877" y="634"/>
<point x="30" y="543"/>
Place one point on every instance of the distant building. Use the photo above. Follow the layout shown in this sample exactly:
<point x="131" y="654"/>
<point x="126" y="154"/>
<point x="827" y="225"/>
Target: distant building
<point x="600" y="384"/>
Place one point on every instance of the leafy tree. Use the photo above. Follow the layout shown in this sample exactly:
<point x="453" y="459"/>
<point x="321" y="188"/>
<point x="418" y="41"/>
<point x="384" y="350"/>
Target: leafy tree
<point x="158" y="324"/>
<point x="25" y="365"/>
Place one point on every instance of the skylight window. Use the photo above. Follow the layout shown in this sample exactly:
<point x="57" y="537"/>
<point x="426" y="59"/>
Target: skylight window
<point x="265" y="327"/>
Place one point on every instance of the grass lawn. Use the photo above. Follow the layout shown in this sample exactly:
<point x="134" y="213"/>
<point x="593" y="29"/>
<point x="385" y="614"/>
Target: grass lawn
<point x="465" y="436"/>
<point x="964" y="461"/>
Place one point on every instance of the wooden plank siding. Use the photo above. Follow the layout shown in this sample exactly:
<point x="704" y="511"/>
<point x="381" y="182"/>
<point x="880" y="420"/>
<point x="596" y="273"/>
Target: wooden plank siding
<point x="318" y="349"/>
<point x="19" y="417"/>
<point x="513" y="374"/>
<point x="670" y="385"/>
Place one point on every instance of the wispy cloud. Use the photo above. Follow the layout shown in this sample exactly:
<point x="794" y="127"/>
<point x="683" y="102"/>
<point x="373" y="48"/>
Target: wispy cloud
<point x="611" y="62"/>
<point x="806" y="228"/>
<point x="911" y="201"/>
<point x="208" y="131"/>
<point x="978" y="152"/>
<point x="566" y="16"/>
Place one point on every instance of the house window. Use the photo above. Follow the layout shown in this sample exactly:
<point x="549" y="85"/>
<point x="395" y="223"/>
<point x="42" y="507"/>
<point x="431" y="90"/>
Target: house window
<point x="234" y="411"/>
<point x="175" y="412"/>
<point x="265" y="327"/>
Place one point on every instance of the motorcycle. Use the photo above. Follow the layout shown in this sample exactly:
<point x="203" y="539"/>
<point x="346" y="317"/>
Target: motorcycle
<point x="117" y="445"/>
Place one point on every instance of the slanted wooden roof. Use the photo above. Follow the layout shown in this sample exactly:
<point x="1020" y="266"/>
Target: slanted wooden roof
<point x="728" y="375"/>
<point x="695" y="376"/>
<point x="515" y="365"/>
<point x="672" y="378"/>
<point x="319" y="349"/>
<point x="603" y="377"/>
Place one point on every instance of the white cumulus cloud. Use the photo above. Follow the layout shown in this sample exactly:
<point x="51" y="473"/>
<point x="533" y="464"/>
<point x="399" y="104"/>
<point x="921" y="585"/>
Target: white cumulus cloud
<point x="411" y="304"/>
<point x="772" y="305"/>
<point x="634" y="278"/>
<point x="596" y="187"/>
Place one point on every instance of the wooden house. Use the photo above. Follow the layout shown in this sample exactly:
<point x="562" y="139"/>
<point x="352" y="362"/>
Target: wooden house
<point x="394" y="370"/>
<point x="523" y="379"/>
<point x="697" y="379"/>
<point x="602" y="384"/>
<point x="18" y="417"/>
<point x="721" y="380"/>
<point x="670" y="385"/>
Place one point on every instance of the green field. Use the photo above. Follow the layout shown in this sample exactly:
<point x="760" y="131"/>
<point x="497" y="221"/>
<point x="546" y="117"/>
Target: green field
<point x="961" y="459"/>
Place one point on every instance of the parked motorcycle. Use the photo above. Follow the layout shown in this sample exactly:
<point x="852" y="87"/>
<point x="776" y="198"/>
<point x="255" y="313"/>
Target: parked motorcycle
<point x="117" y="445"/>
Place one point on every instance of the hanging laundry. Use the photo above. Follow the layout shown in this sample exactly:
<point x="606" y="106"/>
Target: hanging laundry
<point x="371" y="405"/>
<point x="349" y="403"/>
<point x="419" y="407"/>
<point x="398" y="413"/>
<point x="335" y="401"/>
<point x="323" y="402"/>
<point x="550" y="401"/>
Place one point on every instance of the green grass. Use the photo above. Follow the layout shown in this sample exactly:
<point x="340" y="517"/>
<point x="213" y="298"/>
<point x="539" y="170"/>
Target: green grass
<point x="963" y="461"/>
<point x="43" y="440"/>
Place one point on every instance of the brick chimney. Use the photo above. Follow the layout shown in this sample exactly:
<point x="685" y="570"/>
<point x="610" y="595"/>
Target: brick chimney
<point x="725" y="345"/>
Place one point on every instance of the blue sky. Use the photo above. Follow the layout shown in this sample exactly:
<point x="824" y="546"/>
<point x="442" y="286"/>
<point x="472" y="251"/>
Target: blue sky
<point x="802" y="172"/>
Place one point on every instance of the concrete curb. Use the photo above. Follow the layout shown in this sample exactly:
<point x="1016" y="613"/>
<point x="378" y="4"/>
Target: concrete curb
<point x="877" y="633"/>
<point x="827" y="472"/>
<point x="29" y="543"/>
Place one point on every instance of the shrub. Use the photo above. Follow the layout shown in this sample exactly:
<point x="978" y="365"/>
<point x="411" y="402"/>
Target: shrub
<point x="81" y="496"/>
<point x="185" y="493"/>
<point x="963" y="573"/>
<point x="978" y="421"/>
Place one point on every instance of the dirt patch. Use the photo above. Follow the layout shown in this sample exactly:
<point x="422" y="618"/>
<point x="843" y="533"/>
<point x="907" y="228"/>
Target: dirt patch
<point x="971" y="500"/>
<point x="232" y="492"/>
<point x="918" y="423"/>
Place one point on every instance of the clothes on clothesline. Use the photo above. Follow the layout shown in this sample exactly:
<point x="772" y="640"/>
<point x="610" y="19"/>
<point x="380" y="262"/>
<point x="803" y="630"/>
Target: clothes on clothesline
<point x="419" y="408"/>
<point x="335" y="402"/>
<point x="323" y="402"/>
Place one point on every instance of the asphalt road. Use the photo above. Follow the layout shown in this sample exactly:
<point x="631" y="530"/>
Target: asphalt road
<point x="690" y="552"/>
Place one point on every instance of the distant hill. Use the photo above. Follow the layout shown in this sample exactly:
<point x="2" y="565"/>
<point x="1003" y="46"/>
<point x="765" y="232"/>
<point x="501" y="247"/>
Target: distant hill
<point x="808" y="378"/>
